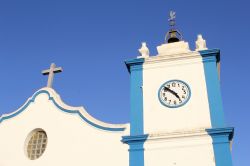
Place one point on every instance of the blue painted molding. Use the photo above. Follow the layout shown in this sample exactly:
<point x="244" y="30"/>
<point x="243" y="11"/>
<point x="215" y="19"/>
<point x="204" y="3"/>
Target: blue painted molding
<point x="134" y="64"/>
<point x="217" y="132"/>
<point x="134" y="139"/>
<point x="135" y="67"/>
<point x="62" y="109"/>
<point x="221" y="144"/>
<point x="136" y="149"/>
<point x="212" y="53"/>
<point x="2" y="118"/>
<point x="210" y="59"/>
<point x="221" y="136"/>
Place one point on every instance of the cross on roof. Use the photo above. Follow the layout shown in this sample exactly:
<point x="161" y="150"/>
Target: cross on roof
<point x="53" y="69"/>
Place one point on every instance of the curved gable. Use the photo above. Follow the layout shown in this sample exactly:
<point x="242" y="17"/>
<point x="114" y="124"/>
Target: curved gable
<point x="56" y="100"/>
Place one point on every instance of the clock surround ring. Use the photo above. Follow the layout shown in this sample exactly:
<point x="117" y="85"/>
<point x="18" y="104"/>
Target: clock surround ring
<point x="177" y="106"/>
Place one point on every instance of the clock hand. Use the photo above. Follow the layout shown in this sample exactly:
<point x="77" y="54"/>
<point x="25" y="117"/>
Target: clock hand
<point x="173" y="92"/>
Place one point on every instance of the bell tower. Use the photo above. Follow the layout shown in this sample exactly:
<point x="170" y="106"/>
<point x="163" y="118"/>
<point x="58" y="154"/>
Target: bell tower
<point x="176" y="115"/>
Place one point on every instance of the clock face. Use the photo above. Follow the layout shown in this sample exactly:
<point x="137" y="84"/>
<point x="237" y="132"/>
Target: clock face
<point x="174" y="93"/>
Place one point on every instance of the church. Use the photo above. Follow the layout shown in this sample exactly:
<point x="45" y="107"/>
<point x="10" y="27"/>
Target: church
<point x="176" y="116"/>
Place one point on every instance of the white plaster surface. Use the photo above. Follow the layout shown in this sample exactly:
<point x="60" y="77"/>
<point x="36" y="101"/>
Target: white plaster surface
<point x="193" y="148"/>
<point x="173" y="48"/>
<point x="177" y="136"/>
<point x="71" y="141"/>
<point x="195" y="113"/>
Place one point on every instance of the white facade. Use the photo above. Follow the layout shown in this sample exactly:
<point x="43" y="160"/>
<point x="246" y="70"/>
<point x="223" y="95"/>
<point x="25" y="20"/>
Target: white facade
<point x="71" y="140"/>
<point x="192" y="134"/>
<point x="177" y="135"/>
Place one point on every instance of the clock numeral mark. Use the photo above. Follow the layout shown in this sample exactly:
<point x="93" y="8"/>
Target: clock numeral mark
<point x="178" y="85"/>
<point x="165" y="98"/>
<point x="173" y="84"/>
<point x="184" y="91"/>
<point x="169" y="101"/>
<point x="183" y="97"/>
<point x="175" y="102"/>
<point x="163" y="94"/>
<point x="165" y="89"/>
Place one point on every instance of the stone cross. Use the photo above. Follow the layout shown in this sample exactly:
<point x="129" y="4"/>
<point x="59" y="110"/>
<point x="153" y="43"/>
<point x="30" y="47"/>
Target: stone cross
<point x="53" y="69"/>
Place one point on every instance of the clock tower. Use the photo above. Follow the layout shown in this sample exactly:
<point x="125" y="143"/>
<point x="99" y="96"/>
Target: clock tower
<point x="176" y="113"/>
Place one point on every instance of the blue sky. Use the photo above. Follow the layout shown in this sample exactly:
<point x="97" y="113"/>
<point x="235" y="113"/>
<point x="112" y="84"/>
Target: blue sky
<point x="91" y="39"/>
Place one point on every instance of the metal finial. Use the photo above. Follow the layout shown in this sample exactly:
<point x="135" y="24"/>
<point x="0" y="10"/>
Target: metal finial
<point x="172" y="16"/>
<point x="173" y="35"/>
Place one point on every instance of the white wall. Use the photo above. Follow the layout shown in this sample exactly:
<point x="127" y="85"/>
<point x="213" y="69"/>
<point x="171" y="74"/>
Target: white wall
<point x="193" y="149"/>
<point x="71" y="141"/>
<point x="177" y="136"/>
<point x="194" y="114"/>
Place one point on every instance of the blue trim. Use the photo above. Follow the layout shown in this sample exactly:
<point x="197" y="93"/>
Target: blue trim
<point x="211" y="53"/>
<point x="210" y="59"/>
<point x="136" y="97"/>
<point x="21" y="110"/>
<point x="226" y="131"/>
<point x="62" y="109"/>
<point x="134" y="138"/>
<point x="136" y="154"/>
<point x="159" y="94"/>
<point x="134" y="64"/>
<point x="136" y="100"/>
<point x="221" y="145"/>
<point x="136" y="149"/>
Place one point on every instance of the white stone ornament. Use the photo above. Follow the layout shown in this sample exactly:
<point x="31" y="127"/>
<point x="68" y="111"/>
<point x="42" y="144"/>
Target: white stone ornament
<point x="144" y="51"/>
<point x="200" y="43"/>
<point x="173" y="48"/>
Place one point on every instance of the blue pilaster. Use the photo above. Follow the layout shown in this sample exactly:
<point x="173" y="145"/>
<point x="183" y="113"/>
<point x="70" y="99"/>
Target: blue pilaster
<point x="221" y="135"/>
<point x="136" y="139"/>
<point x="136" y="97"/>
<point x="136" y="149"/>
<point x="210" y="60"/>
<point x="221" y="144"/>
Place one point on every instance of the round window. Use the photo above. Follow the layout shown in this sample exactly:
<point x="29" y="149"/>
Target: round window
<point x="36" y="144"/>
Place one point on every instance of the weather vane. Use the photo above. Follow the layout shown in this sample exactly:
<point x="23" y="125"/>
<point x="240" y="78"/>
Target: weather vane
<point x="172" y="16"/>
<point x="173" y="35"/>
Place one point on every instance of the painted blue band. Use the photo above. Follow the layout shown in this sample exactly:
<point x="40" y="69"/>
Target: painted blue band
<point x="221" y="144"/>
<point x="136" y="149"/>
<point x="134" y="139"/>
<point x="136" y="97"/>
<point x="134" y="64"/>
<point x="136" y="155"/>
<point x="211" y="53"/>
<point x="210" y="59"/>
<point x="62" y="109"/>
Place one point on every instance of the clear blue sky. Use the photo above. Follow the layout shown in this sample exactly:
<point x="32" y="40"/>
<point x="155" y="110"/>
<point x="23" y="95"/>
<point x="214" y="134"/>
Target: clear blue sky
<point x="91" y="39"/>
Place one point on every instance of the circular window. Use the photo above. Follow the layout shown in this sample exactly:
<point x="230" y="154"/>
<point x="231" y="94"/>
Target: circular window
<point x="36" y="144"/>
